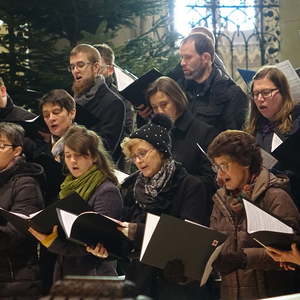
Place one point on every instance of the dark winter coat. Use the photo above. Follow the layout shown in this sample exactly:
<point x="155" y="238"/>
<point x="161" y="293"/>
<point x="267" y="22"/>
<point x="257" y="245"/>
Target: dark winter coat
<point x="73" y="259"/>
<point x="109" y="109"/>
<point x="186" y="133"/>
<point x="264" y="140"/>
<point x="218" y="101"/>
<point x="12" y="112"/>
<point x="19" y="192"/>
<point x="261" y="276"/>
<point x="186" y="195"/>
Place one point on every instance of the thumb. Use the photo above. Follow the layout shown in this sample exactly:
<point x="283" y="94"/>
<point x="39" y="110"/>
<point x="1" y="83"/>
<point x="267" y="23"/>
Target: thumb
<point x="55" y="229"/>
<point x="294" y="247"/>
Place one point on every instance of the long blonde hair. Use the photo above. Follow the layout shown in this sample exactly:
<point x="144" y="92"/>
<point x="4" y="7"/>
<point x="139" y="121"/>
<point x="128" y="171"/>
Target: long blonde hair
<point x="283" y="117"/>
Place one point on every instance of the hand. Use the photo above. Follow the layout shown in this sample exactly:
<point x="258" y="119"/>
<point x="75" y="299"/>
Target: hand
<point x="41" y="236"/>
<point x="174" y="271"/>
<point x="292" y="256"/>
<point x="98" y="251"/>
<point x="230" y="262"/>
<point x="124" y="228"/>
<point x="144" y="111"/>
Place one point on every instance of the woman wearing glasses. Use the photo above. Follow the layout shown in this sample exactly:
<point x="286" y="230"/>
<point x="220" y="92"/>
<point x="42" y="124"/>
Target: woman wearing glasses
<point x="20" y="192"/>
<point x="273" y="113"/>
<point x="159" y="186"/>
<point x="247" y="271"/>
<point x="272" y="108"/>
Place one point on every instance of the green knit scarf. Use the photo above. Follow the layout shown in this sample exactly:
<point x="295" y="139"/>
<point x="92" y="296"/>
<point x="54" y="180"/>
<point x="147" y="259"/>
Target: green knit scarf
<point x="83" y="185"/>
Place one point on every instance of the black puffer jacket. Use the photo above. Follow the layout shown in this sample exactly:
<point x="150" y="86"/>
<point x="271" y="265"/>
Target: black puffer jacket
<point x="19" y="192"/>
<point x="218" y="101"/>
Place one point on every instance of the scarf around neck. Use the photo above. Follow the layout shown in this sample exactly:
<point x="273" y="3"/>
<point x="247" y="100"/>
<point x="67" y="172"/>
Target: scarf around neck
<point x="235" y="199"/>
<point x="146" y="189"/>
<point x="84" y="185"/>
<point x="90" y="94"/>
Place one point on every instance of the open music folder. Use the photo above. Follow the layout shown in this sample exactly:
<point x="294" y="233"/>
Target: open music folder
<point x="44" y="220"/>
<point x="167" y="238"/>
<point x="90" y="228"/>
<point x="266" y="229"/>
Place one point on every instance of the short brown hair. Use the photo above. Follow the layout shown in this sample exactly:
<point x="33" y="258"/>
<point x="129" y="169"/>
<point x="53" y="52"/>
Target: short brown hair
<point x="13" y="132"/>
<point x="92" y="53"/>
<point x="59" y="97"/>
<point x="106" y="53"/>
<point x="171" y="88"/>
<point x="203" y="43"/>
<point x="240" y="146"/>
<point x="205" y="30"/>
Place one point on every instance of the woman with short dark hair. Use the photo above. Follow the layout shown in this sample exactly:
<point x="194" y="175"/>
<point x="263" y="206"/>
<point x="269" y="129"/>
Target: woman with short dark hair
<point x="20" y="192"/>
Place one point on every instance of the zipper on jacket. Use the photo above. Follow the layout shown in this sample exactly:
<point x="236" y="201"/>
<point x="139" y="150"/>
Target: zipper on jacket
<point x="11" y="269"/>
<point x="236" y="249"/>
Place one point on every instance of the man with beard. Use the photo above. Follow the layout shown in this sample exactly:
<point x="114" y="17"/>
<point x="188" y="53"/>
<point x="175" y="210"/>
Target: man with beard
<point x="93" y="94"/>
<point x="213" y="97"/>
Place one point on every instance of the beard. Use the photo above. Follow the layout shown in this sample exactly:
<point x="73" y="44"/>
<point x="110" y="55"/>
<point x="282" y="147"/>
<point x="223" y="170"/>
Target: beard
<point x="81" y="87"/>
<point x="195" y="74"/>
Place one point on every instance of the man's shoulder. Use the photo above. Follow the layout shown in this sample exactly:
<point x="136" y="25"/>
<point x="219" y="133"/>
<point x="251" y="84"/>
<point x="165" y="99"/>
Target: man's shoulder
<point x="20" y="114"/>
<point x="108" y="95"/>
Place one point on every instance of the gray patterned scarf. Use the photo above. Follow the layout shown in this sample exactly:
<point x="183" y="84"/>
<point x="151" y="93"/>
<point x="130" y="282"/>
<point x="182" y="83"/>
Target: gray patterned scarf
<point x="147" y="188"/>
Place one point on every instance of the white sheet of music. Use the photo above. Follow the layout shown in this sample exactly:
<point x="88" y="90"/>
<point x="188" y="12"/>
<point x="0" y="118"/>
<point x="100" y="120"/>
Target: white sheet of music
<point x="276" y="141"/>
<point x="259" y="220"/>
<point x="292" y="77"/>
<point x="67" y="219"/>
<point x="151" y="223"/>
<point x="121" y="176"/>
<point x="269" y="161"/>
<point x="124" y="78"/>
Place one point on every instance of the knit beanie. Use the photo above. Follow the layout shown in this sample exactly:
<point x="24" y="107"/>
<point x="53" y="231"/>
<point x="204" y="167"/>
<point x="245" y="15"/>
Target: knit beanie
<point x="156" y="132"/>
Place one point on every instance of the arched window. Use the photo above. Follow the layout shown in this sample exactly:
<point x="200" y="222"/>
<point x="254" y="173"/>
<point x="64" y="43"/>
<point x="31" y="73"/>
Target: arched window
<point x="247" y="31"/>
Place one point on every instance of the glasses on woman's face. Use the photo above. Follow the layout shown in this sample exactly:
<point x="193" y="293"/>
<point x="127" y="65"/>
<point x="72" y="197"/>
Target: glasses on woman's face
<point x="3" y="146"/>
<point x="265" y="93"/>
<point x="142" y="154"/>
<point x="224" y="167"/>
<point x="79" y="65"/>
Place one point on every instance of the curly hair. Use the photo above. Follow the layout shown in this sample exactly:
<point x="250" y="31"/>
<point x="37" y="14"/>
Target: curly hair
<point x="240" y="146"/>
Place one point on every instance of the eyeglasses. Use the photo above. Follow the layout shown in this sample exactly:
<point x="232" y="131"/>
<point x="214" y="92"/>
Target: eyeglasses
<point x="3" y="146"/>
<point x="79" y="65"/>
<point x="266" y="93"/>
<point x="224" y="167"/>
<point x="162" y="105"/>
<point x="140" y="155"/>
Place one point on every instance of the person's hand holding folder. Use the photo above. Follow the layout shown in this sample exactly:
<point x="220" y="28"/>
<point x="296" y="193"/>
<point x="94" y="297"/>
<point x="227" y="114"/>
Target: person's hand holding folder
<point x="99" y="251"/>
<point x="45" y="239"/>
<point x="284" y="257"/>
<point x="229" y="262"/>
<point x="128" y="229"/>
